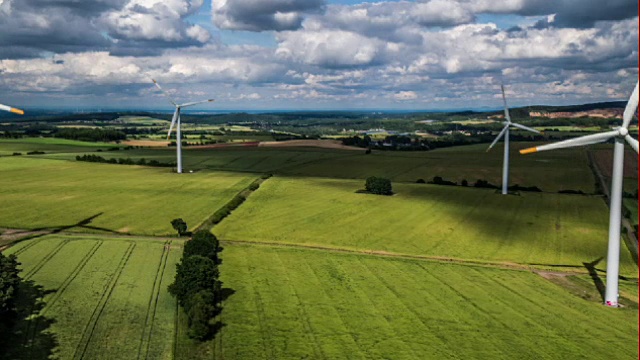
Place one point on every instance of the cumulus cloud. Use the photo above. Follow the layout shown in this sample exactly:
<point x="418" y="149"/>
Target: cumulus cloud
<point x="31" y="28"/>
<point x="405" y="95"/>
<point x="260" y="15"/>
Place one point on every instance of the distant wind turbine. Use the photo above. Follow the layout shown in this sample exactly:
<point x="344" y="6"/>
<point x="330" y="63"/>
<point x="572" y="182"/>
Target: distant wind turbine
<point x="11" y="109"/>
<point x="619" y="135"/>
<point x="176" y="119"/>
<point x="505" y="132"/>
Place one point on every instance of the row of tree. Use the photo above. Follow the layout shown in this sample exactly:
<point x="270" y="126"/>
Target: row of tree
<point x="122" y="161"/>
<point x="197" y="285"/>
<point x="9" y="285"/>
<point x="88" y="134"/>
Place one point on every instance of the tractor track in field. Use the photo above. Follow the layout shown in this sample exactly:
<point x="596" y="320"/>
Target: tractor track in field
<point x="45" y="260"/>
<point x="33" y="328"/>
<point x="87" y="332"/>
<point x="145" y="339"/>
<point x="440" y="259"/>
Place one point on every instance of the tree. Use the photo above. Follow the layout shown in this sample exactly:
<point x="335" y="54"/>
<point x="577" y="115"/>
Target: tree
<point x="9" y="283"/>
<point x="464" y="182"/>
<point x="378" y="185"/>
<point x="202" y="243"/>
<point x="193" y="274"/>
<point x="179" y="225"/>
<point x="200" y="309"/>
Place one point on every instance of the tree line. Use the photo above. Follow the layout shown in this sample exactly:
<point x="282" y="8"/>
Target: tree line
<point x="197" y="285"/>
<point x="122" y="161"/>
<point x="86" y="134"/>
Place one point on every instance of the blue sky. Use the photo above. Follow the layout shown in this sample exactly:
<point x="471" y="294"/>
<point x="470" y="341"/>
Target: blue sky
<point x="316" y="54"/>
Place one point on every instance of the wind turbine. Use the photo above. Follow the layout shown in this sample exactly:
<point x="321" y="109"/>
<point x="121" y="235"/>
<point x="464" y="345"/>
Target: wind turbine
<point x="619" y="134"/>
<point x="176" y="119"/>
<point x="505" y="132"/>
<point x="11" y="109"/>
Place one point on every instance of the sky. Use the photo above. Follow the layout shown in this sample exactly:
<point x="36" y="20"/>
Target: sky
<point x="316" y="54"/>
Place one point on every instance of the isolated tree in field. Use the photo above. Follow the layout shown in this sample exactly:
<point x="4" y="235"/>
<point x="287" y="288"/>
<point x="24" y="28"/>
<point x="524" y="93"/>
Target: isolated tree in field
<point x="193" y="274"/>
<point x="378" y="185"/>
<point x="202" y="243"/>
<point x="179" y="225"/>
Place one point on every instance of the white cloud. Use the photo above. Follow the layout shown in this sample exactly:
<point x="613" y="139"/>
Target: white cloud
<point x="405" y="95"/>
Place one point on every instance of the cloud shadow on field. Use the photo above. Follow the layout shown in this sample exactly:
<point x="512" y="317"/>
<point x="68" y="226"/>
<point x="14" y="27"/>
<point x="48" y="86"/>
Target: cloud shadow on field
<point x="28" y="335"/>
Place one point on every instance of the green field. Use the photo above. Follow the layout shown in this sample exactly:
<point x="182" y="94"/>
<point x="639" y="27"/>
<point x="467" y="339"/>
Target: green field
<point x="550" y="171"/>
<point x="49" y="145"/>
<point x="41" y="193"/>
<point x="107" y="297"/>
<point x="305" y="304"/>
<point x="428" y="220"/>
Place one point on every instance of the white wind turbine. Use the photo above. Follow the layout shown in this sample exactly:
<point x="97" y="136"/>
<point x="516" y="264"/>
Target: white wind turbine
<point x="11" y="109"/>
<point x="619" y="135"/>
<point x="505" y="132"/>
<point x="176" y="119"/>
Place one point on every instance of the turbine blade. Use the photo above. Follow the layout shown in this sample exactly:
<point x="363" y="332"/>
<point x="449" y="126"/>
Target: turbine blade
<point x="579" y="141"/>
<point x="164" y="93"/>
<point x="504" y="129"/>
<point x="196" y="103"/>
<point x="11" y="109"/>
<point x="506" y="108"/>
<point x="633" y="142"/>
<point x="631" y="108"/>
<point x="173" y="122"/>
<point x="525" y="128"/>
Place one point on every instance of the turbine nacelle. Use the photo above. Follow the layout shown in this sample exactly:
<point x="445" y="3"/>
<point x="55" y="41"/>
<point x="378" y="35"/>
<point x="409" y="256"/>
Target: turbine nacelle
<point x="176" y="120"/>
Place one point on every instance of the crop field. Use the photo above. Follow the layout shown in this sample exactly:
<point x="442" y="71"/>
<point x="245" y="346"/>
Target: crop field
<point x="428" y="220"/>
<point x="49" y="145"/>
<point x="107" y="297"/>
<point x="89" y="197"/>
<point x="300" y="304"/>
<point x="549" y="171"/>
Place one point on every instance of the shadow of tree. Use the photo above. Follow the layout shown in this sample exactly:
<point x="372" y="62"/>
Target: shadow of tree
<point x="28" y="336"/>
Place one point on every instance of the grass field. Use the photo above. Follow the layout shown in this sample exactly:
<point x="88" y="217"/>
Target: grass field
<point x="107" y="297"/>
<point x="41" y="193"/>
<point x="468" y="223"/>
<point x="305" y="304"/>
<point x="550" y="171"/>
<point x="49" y="145"/>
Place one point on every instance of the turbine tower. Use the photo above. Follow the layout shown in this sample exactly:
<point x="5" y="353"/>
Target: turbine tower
<point x="505" y="132"/>
<point x="176" y="121"/>
<point x="619" y="135"/>
<point x="11" y="109"/>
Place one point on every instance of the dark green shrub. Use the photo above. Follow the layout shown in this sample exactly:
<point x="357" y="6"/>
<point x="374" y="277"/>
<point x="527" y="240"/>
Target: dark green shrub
<point x="378" y="186"/>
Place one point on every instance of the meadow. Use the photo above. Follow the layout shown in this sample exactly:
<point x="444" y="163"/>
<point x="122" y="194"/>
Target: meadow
<point x="310" y="304"/>
<point x="550" y="171"/>
<point x="42" y="193"/>
<point x="548" y="230"/>
<point x="108" y="296"/>
<point x="49" y="145"/>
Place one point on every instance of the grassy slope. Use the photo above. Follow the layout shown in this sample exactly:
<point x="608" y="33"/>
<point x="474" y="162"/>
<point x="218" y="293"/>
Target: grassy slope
<point x="458" y="222"/>
<point x="104" y="294"/>
<point x="38" y="193"/>
<point x="293" y="304"/>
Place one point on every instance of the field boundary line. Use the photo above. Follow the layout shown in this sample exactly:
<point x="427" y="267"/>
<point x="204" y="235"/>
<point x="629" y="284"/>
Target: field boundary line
<point x="45" y="259"/>
<point x="145" y="339"/>
<point x="385" y="254"/>
<point x="88" y="330"/>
